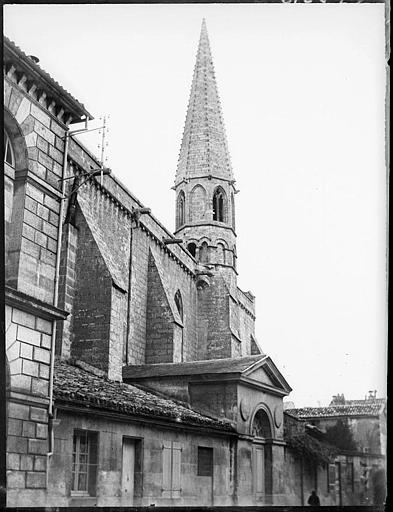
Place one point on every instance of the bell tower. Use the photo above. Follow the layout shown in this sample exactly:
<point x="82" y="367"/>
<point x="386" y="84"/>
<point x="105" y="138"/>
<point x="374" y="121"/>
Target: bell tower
<point x="204" y="183"/>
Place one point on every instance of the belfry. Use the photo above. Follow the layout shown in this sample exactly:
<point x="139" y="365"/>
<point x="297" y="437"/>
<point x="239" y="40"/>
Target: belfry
<point x="204" y="183"/>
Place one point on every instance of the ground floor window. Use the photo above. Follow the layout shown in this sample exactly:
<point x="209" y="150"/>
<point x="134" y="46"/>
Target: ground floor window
<point x="84" y="463"/>
<point x="205" y="461"/>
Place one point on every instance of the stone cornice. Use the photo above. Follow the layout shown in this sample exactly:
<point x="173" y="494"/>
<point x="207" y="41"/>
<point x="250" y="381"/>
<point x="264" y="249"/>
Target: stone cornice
<point x="32" y="305"/>
<point x="37" y="83"/>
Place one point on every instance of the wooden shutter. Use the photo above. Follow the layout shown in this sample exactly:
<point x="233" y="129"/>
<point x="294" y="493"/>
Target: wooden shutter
<point x="176" y="470"/>
<point x="166" y="468"/>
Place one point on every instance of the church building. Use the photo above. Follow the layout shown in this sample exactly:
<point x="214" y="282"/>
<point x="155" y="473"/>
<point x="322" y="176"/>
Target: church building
<point x="134" y="373"/>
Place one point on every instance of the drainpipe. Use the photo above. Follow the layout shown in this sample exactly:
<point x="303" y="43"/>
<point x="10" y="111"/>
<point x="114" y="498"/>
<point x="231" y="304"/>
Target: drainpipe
<point x="55" y="303"/>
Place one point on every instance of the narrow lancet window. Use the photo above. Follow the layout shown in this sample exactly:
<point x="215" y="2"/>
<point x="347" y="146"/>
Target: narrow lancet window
<point x="181" y="209"/>
<point x="219" y="205"/>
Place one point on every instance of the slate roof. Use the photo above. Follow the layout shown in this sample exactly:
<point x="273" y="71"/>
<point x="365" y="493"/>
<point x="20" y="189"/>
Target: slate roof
<point x="351" y="408"/>
<point x="218" y="366"/>
<point x="84" y="389"/>
<point x="12" y="47"/>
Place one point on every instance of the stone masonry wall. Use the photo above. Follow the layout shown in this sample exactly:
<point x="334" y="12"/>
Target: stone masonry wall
<point x="28" y="342"/>
<point x="92" y="305"/>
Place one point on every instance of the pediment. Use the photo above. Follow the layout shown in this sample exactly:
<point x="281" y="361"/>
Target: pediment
<point x="265" y="372"/>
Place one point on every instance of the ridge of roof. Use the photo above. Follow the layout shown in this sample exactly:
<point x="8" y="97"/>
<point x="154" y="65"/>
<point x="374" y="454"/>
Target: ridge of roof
<point x="357" y="409"/>
<point x="227" y="365"/>
<point x="80" y="386"/>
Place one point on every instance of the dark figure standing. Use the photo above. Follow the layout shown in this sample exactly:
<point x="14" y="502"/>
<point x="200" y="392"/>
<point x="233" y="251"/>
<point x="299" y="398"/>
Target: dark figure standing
<point x="313" y="500"/>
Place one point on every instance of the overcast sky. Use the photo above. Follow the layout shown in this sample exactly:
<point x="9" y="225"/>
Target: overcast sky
<point x="302" y="90"/>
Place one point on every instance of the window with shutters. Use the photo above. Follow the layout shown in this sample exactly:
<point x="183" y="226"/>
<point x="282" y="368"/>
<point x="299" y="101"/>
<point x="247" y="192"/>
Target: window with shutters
<point x="205" y="461"/>
<point x="84" y="463"/>
<point x="171" y="469"/>
<point x="331" y="478"/>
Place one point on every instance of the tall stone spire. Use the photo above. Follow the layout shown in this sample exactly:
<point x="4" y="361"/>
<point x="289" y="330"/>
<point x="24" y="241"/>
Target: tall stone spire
<point x="204" y="184"/>
<point x="204" y="149"/>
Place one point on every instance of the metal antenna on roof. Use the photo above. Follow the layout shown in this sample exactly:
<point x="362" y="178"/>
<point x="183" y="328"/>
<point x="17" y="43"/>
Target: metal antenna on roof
<point x="103" y="144"/>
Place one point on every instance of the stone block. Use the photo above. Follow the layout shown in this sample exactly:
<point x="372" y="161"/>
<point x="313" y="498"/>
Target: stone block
<point x="11" y="334"/>
<point x="26" y="351"/>
<point x="38" y="414"/>
<point x="27" y="462"/>
<point x="18" y="411"/>
<point x="45" y="160"/>
<point x="31" y="139"/>
<point x="52" y="245"/>
<point x="7" y="92"/>
<point x="49" y="230"/>
<point x="52" y="203"/>
<point x="56" y="154"/>
<point x="42" y="431"/>
<point x="32" y="153"/>
<point x="44" y="371"/>
<point x="15" y="427"/>
<point x="30" y="368"/>
<point x="13" y="352"/>
<point x="20" y="382"/>
<point x="42" y="144"/>
<point x="57" y="129"/>
<point x="46" y="341"/>
<point x="39" y="387"/>
<point x="31" y="248"/>
<point x="34" y="193"/>
<point x="28" y="125"/>
<point x="16" y="444"/>
<point x="28" y="429"/>
<point x="32" y="220"/>
<point x="23" y="318"/>
<point x="37" y="446"/>
<point x="57" y="169"/>
<point x="35" y="480"/>
<point x="23" y="110"/>
<point x="40" y="115"/>
<point x="15" y="101"/>
<point x="13" y="461"/>
<point x="43" y="325"/>
<point x="38" y="169"/>
<point x="15" y="480"/>
<point x="28" y="335"/>
<point x="31" y="204"/>
<point x="40" y="238"/>
<point x="41" y="355"/>
<point x="39" y="463"/>
<point x="28" y="232"/>
<point x="43" y="212"/>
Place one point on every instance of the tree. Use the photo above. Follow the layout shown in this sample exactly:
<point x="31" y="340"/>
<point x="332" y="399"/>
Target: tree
<point x="340" y="435"/>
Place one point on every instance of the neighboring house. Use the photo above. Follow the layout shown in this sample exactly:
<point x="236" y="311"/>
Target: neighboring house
<point x="354" y="476"/>
<point x="134" y="374"/>
<point x="365" y="418"/>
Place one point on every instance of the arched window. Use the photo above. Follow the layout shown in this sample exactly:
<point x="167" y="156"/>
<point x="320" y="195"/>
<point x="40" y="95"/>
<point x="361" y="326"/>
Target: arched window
<point x="219" y="205"/>
<point x="179" y="303"/>
<point x="191" y="248"/>
<point x="8" y="151"/>
<point x="181" y="209"/>
<point x="204" y="253"/>
<point x="261" y="425"/>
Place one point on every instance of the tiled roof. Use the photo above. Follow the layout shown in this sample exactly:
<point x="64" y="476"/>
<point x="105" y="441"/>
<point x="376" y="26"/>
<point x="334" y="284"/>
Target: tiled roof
<point x="46" y="76"/>
<point x="229" y="365"/>
<point x="359" y="408"/>
<point x="84" y="389"/>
